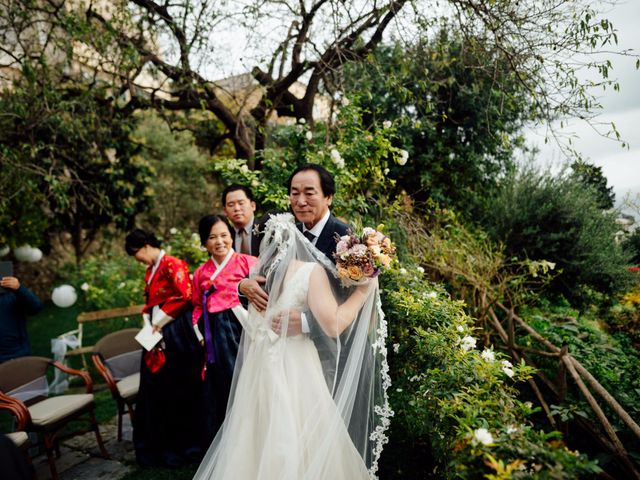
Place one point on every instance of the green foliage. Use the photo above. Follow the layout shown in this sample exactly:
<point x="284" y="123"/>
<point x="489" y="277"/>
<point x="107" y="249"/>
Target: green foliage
<point x="457" y="107"/>
<point x="185" y="245"/>
<point x="542" y="216"/>
<point x="612" y="360"/>
<point x="469" y="263"/>
<point x="106" y="281"/>
<point x="633" y="245"/>
<point x="444" y="393"/>
<point x="359" y="159"/>
<point x="66" y="151"/>
<point x="182" y="187"/>
<point x="115" y="279"/>
<point x="592" y="177"/>
<point x="624" y="317"/>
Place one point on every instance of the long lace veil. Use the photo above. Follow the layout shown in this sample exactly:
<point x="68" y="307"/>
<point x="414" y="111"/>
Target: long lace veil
<point x="348" y="331"/>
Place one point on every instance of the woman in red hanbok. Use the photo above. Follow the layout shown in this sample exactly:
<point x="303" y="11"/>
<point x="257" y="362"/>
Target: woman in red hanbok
<point x="166" y="428"/>
<point x="215" y="298"/>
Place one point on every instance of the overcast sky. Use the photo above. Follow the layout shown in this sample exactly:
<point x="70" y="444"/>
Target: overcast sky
<point x="620" y="166"/>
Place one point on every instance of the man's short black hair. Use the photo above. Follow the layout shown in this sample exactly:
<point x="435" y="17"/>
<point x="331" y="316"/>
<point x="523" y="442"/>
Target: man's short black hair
<point x="208" y="221"/>
<point x="138" y="239"/>
<point x="327" y="183"/>
<point x="232" y="188"/>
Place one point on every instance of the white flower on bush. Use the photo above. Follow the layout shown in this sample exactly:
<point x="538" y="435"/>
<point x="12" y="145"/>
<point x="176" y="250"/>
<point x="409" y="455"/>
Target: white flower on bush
<point x="467" y="343"/>
<point x="302" y="121"/>
<point x="121" y="285"/>
<point x="511" y="429"/>
<point x="195" y="237"/>
<point x="346" y="102"/>
<point x="386" y="124"/>
<point x="396" y="347"/>
<point x="460" y="328"/>
<point x="308" y="135"/>
<point x="173" y="230"/>
<point x="403" y="271"/>
<point x="84" y="287"/>
<point x="488" y="355"/>
<point x="404" y="156"/>
<point x="433" y="295"/>
<point x="386" y="171"/>
<point x="482" y="436"/>
<point x="420" y="269"/>
<point x="336" y="158"/>
<point x="244" y="168"/>
<point x="507" y="368"/>
<point x="255" y="182"/>
<point x="111" y="155"/>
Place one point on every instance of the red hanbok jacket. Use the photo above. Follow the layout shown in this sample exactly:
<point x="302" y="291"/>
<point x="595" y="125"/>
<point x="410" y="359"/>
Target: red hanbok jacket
<point x="169" y="289"/>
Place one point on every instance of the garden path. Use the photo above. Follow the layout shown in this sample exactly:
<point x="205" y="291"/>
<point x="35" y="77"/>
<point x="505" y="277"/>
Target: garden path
<point x="80" y="458"/>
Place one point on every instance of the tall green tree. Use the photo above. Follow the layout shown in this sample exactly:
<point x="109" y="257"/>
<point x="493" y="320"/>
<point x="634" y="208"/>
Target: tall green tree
<point x="457" y="108"/>
<point x="545" y="216"/>
<point x="592" y="177"/>
<point x="70" y="164"/>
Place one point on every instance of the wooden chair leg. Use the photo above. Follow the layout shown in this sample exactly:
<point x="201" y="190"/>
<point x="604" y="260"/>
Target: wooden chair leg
<point x="49" y="447"/>
<point x="94" y="426"/>
<point x="120" y="413"/>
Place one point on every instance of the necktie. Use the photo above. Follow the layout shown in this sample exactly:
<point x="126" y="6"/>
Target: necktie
<point x="310" y="236"/>
<point x="244" y="242"/>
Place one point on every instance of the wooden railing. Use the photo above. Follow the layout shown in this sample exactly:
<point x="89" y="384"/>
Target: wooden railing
<point x="568" y="367"/>
<point x="95" y="316"/>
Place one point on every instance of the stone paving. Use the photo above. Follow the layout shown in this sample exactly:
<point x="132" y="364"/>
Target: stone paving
<point x="80" y="458"/>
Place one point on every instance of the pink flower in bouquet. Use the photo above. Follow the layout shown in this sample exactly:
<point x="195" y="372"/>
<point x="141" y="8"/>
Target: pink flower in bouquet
<point x="359" y="257"/>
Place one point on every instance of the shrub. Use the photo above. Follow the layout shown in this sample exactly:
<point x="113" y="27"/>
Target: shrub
<point x="612" y="360"/>
<point x="115" y="279"/>
<point x="542" y="216"/>
<point x="458" y="401"/>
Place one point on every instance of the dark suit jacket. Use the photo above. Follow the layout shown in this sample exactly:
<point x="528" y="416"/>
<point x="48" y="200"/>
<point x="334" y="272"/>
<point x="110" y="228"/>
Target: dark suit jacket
<point x="326" y="242"/>
<point x="255" y="241"/>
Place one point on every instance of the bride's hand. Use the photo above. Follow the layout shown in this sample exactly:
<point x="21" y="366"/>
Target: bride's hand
<point x="294" y="325"/>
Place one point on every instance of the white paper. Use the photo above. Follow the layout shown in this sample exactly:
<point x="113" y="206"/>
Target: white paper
<point x="147" y="337"/>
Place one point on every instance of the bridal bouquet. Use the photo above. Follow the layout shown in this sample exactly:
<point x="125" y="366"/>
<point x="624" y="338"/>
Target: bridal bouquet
<point x="364" y="256"/>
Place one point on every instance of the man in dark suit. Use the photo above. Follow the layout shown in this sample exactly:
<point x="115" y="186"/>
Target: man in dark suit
<point x="239" y="207"/>
<point x="311" y="190"/>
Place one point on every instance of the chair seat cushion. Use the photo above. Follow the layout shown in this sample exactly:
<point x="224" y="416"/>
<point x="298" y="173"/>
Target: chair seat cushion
<point x="18" y="438"/>
<point x="53" y="409"/>
<point x="128" y="386"/>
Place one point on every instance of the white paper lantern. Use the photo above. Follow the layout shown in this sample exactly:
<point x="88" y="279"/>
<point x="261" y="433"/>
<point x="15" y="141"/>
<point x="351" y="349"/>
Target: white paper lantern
<point x="4" y="250"/>
<point x="64" y="296"/>
<point x="27" y="253"/>
<point x="35" y="255"/>
<point x="23" y="253"/>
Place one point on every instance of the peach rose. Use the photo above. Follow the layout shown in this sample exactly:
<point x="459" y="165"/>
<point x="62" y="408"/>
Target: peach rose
<point x="354" y="272"/>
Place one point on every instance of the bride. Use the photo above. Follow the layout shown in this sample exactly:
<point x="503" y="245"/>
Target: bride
<point x="288" y="411"/>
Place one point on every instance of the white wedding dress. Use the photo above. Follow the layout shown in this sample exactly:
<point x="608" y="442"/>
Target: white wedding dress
<point x="282" y="423"/>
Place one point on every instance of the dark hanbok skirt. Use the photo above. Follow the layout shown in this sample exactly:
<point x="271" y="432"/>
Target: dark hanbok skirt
<point x="167" y="420"/>
<point x="226" y="331"/>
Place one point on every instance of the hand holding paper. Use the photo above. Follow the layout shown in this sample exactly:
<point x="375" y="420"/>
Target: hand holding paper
<point x="147" y="337"/>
